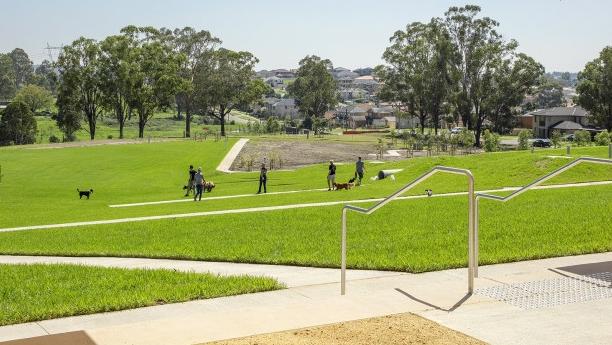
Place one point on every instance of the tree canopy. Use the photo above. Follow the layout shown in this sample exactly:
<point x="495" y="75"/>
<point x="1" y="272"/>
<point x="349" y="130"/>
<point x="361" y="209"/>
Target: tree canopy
<point x="314" y="88"/>
<point x="35" y="97"/>
<point x="17" y="125"/>
<point x="595" y="88"/>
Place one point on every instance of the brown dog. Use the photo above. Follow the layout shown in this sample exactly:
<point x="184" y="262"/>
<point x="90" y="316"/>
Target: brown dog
<point x="346" y="186"/>
<point x="209" y="186"/>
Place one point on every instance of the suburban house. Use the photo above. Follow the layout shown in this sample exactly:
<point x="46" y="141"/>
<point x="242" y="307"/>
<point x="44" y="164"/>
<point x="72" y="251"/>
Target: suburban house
<point x="356" y="121"/>
<point x="273" y="81"/>
<point x="379" y="113"/>
<point x="281" y="107"/>
<point x="283" y="73"/>
<point x="351" y="93"/>
<point x="345" y="82"/>
<point x="564" y="119"/>
<point x="367" y="83"/>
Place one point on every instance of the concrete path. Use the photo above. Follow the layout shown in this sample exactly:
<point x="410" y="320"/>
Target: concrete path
<point x="229" y="158"/>
<point x="274" y="208"/>
<point x="563" y="302"/>
<point x="291" y="276"/>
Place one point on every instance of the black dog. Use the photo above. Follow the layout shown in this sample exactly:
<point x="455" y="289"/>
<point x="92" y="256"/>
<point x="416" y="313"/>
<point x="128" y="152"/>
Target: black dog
<point x="429" y="192"/>
<point x="86" y="193"/>
<point x="351" y="180"/>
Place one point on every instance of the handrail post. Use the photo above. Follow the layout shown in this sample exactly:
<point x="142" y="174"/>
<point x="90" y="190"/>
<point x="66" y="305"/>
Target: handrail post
<point x="476" y="235"/>
<point x="471" y="228"/>
<point x="343" y="259"/>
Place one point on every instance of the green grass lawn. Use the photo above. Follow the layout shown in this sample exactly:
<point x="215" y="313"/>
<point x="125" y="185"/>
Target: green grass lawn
<point x="39" y="185"/>
<point x="408" y="235"/>
<point x="40" y="292"/>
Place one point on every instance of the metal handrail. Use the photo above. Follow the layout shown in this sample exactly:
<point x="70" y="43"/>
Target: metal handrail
<point x="471" y="220"/>
<point x="522" y="190"/>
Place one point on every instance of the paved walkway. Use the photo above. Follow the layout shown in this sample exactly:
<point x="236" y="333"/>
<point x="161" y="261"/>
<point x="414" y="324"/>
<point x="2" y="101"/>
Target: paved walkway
<point x="551" y="301"/>
<point x="229" y="158"/>
<point x="273" y="208"/>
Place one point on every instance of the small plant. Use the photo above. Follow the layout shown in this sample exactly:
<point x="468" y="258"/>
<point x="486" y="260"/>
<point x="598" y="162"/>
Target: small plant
<point x="467" y="140"/>
<point x="110" y="136"/>
<point x="582" y="138"/>
<point x="555" y="138"/>
<point x="523" y="139"/>
<point x="54" y="139"/>
<point x="603" y="138"/>
<point x="491" y="141"/>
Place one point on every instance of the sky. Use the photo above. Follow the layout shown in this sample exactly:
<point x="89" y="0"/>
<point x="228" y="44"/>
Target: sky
<point x="561" y="34"/>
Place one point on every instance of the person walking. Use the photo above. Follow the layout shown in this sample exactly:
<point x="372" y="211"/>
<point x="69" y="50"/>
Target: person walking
<point x="263" y="178"/>
<point x="198" y="180"/>
<point x="190" y="181"/>
<point x="331" y="175"/>
<point x="359" y="170"/>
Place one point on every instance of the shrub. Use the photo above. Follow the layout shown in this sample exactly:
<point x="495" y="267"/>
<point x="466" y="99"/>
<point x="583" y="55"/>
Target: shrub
<point x="603" y="138"/>
<point x="491" y="141"/>
<point x="53" y="139"/>
<point x="555" y="138"/>
<point x="523" y="139"/>
<point x="467" y="140"/>
<point x="582" y="138"/>
<point x="110" y="136"/>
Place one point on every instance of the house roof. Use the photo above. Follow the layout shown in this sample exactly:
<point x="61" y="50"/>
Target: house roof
<point x="382" y="110"/>
<point x="358" y="118"/>
<point x="357" y="110"/>
<point x="567" y="125"/>
<point x="390" y="118"/>
<point x="561" y="111"/>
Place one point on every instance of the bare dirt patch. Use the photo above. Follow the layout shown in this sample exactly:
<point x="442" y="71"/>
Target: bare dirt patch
<point x="400" y="329"/>
<point x="301" y="153"/>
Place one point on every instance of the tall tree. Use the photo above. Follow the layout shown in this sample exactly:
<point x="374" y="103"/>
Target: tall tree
<point x="417" y="75"/>
<point x="69" y="114"/>
<point x="35" y="97"/>
<point x="17" y="125"/>
<point x="595" y="88"/>
<point x="79" y="71"/>
<point x="195" y="46"/>
<point x="511" y="78"/>
<point x="116" y="66"/>
<point x="7" y="77"/>
<point x="22" y="65"/>
<point x="314" y="88"/>
<point x="549" y="93"/>
<point x="225" y="80"/>
<point x="478" y="48"/>
<point x="154" y="73"/>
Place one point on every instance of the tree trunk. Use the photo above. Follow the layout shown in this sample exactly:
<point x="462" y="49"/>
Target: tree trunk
<point x="222" y="125"/>
<point x="478" y="130"/>
<point x="91" y="120"/>
<point x="187" y="123"/>
<point x="142" y="121"/>
<point x="121" y="125"/>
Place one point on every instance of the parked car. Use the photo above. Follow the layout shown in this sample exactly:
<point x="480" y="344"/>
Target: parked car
<point x="457" y="130"/>
<point x="541" y="143"/>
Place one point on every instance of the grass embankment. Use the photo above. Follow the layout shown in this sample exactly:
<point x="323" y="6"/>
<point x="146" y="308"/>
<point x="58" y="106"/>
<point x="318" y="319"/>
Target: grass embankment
<point x="39" y="185"/>
<point x="409" y="235"/>
<point x="39" y="292"/>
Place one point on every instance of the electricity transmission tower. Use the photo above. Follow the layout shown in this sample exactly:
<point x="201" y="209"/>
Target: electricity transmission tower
<point x="53" y="51"/>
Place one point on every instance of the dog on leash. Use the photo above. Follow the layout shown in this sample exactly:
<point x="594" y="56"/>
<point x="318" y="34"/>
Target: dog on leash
<point x="352" y="180"/>
<point x="209" y="186"/>
<point x="86" y="193"/>
<point x="347" y="186"/>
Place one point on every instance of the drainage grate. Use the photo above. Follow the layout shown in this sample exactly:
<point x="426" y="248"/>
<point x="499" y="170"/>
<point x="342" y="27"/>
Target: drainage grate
<point x="553" y="292"/>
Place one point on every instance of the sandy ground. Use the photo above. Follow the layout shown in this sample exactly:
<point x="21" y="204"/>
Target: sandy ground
<point x="397" y="329"/>
<point x="301" y="153"/>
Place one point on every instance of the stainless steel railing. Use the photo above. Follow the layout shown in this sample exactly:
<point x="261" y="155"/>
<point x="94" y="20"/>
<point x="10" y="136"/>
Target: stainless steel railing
<point x="522" y="190"/>
<point x="471" y="220"/>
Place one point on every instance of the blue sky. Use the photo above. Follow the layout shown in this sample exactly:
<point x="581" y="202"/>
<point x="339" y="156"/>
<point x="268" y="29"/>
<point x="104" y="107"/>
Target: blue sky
<point x="561" y="34"/>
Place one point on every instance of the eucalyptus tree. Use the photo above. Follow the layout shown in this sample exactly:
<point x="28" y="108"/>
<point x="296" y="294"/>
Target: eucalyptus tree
<point x="116" y="66"/>
<point x="195" y="46"/>
<point x="7" y="77"/>
<point x="595" y="88"/>
<point x="314" y="89"/>
<point x="80" y="79"/>
<point x="225" y="80"/>
<point x="153" y="73"/>
<point x="417" y="74"/>
<point x="23" y="67"/>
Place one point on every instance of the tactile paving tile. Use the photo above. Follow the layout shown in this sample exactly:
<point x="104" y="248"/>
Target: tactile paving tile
<point x="552" y="292"/>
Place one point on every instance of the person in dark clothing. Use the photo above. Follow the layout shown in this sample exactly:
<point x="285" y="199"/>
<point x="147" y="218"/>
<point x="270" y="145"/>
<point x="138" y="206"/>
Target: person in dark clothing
<point x="331" y="175"/>
<point x="359" y="170"/>
<point x="263" y="178"/>
<point x="190" y="182"/>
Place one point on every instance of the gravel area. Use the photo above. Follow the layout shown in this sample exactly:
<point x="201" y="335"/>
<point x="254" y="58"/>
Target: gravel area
<point x="400" y="329"/>
<point x="301" y="153"/>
